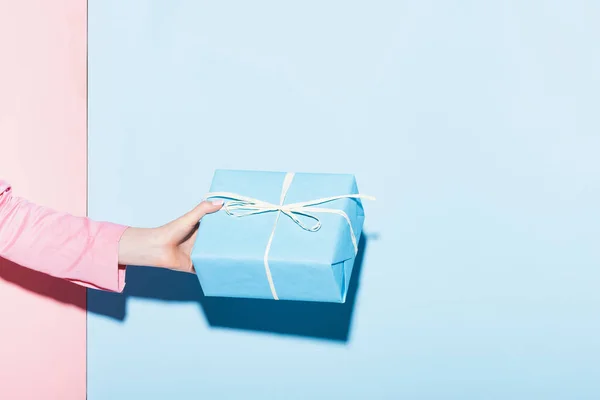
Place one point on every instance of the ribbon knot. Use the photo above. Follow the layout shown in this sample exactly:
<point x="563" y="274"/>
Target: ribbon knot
<point x="243" y="206"/>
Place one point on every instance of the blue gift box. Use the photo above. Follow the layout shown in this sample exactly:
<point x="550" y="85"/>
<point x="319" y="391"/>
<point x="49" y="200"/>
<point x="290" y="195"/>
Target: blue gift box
<point x="287" y="236"/>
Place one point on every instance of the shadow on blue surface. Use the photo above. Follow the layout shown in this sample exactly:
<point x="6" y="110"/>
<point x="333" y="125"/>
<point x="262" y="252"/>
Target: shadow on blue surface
<point x="329" y="321"/>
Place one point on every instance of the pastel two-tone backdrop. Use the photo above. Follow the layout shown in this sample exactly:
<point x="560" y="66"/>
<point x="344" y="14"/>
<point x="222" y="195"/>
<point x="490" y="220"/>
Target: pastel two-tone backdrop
<point x="474" y="123"/>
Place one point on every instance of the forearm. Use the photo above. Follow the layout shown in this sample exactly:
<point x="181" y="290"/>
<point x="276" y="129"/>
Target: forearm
<point x="140" y="246"/>
<point x="60" y="244"/>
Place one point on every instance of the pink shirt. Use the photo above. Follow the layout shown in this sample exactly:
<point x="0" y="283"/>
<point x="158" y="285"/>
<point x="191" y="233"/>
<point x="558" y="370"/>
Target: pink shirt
<point x="58" y="244"/>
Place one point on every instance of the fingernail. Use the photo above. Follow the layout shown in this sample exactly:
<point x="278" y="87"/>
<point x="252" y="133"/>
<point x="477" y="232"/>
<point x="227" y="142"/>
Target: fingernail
<point x="217" y="202"/>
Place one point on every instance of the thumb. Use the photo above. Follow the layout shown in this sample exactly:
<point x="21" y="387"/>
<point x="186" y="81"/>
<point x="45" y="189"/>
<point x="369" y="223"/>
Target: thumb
<point x="206" y="207"/>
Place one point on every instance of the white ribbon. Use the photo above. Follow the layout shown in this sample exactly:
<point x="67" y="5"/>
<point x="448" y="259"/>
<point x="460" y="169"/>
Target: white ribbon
<point x="243" y="206"/>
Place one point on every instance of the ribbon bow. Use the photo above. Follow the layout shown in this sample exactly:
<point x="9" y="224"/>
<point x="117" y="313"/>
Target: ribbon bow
<point x="243" y="206"/>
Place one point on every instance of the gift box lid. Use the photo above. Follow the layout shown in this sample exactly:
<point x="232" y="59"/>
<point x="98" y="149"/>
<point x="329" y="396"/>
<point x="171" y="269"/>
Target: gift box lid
<point x="246" y="237"/>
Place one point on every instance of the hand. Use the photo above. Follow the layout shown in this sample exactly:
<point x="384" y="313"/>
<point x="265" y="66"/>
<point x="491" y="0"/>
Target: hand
<point x="168" y="246"/>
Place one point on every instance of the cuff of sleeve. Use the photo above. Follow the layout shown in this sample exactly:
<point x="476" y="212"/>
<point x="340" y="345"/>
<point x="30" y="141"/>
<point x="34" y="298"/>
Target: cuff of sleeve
<point x="109" y="274"/>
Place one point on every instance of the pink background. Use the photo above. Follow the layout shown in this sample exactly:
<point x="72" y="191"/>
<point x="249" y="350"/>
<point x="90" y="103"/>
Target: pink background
<point x="43" y="155"/>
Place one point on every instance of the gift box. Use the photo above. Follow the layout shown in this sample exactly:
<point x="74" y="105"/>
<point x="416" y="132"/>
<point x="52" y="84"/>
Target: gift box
<point x="281" y="236"/>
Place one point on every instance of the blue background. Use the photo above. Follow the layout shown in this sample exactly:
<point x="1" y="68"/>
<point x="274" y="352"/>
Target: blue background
<point x="475" y="124"/>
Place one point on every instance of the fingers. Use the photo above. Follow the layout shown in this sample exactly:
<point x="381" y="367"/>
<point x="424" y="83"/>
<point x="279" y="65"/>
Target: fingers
<point x="206" y="207"/>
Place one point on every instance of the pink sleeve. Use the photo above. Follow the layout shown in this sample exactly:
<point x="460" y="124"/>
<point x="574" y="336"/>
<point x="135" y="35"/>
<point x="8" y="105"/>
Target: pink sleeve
<point x="59" y="244"/>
